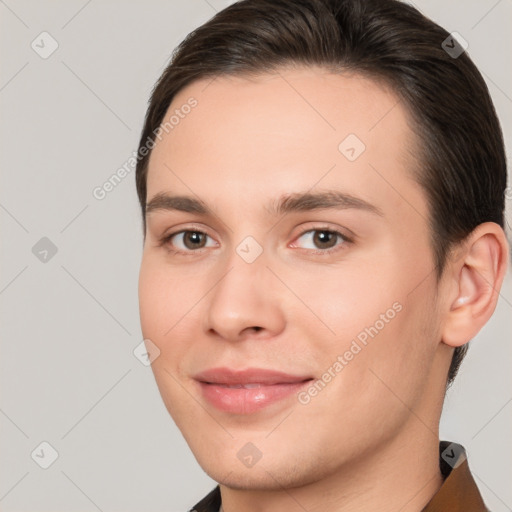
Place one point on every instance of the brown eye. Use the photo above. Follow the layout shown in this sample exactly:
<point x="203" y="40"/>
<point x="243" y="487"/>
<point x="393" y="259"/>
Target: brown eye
<point x="321" y="240"/>
<point x="325" y="239"/>
<point x="194" y="239"/>
<point x="188" y="241"/>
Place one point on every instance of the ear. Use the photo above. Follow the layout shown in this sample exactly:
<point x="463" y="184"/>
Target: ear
<point x="477" y="272"/>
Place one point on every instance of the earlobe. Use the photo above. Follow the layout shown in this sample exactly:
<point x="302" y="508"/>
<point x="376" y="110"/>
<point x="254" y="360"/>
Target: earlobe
<point x="479" y="270"/>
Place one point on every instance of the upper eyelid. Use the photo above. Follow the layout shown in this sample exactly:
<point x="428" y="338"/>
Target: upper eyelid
<point x="330" y="230"/>
<point x="345" y="233"/>
<point x="317" y="224"/>
<point x="175" y="231"/>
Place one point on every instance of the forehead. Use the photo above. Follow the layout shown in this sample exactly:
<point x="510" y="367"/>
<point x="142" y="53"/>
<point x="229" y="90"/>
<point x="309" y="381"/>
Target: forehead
<point x="293" y="128"/>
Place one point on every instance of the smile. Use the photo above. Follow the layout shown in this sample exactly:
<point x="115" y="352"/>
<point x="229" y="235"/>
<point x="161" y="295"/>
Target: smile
<point x="247" y="391"/>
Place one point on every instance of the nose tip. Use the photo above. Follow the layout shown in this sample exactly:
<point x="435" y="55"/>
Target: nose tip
<point x="243" y="304"/>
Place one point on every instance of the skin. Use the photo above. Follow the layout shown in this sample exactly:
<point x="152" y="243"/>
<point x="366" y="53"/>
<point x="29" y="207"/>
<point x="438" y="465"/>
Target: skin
<point x="369" y="439"/>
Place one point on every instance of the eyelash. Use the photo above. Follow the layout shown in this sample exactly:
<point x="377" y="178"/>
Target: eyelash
<point x="165" y="241"/>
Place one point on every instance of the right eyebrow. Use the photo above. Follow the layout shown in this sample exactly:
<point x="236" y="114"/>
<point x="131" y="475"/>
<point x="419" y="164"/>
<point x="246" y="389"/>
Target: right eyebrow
<point x="163" y="201"/>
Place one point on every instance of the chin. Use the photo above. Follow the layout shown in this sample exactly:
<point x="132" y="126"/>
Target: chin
<point x="255" y="480"/>
<point x="267" y="474"/>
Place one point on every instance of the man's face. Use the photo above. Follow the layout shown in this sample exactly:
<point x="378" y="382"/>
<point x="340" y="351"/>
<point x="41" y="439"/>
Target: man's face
<point x="339" y="295"/>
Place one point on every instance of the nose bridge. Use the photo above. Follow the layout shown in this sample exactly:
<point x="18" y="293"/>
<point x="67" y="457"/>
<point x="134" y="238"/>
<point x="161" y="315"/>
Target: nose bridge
<point x="243" y="298"/>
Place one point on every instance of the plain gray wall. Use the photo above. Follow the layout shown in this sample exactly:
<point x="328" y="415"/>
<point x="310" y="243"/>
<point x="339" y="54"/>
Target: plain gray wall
<point x="70" y="323"/>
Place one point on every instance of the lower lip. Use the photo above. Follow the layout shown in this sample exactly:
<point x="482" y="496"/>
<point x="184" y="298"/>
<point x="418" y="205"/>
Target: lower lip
<point x="247" y="401"/>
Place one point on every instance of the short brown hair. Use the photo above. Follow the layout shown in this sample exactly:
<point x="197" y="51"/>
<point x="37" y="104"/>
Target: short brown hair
<point x="463" y="163"/>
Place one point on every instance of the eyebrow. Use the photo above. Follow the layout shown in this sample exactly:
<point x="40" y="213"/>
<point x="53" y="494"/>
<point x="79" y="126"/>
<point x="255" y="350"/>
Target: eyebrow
<point x="308" y="201"/>
<point x="163" y="201"/>
<point x="287" y="203"/>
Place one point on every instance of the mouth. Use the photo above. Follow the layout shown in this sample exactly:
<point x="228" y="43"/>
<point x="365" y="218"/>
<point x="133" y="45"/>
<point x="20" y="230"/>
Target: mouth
<point x="247" y="391"/>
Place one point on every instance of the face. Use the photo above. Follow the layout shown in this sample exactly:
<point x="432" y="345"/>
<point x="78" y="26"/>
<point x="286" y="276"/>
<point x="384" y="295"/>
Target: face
<point x="288" y="279"/>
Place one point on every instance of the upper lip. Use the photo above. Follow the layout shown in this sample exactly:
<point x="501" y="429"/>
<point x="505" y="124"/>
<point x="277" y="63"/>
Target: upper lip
<point x="248" y="376"/>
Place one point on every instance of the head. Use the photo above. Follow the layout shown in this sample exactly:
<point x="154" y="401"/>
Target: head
<point x="322" y="188"/>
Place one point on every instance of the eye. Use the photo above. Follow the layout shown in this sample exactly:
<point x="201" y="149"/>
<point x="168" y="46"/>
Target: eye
<point x="320" y="239"/>
<point x="188" y="240"/>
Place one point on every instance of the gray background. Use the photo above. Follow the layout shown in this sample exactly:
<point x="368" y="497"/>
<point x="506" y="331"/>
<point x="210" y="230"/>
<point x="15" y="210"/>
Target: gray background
<point x="70" y="323"/>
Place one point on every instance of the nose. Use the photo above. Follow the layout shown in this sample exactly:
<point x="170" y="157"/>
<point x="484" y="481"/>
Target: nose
<point x="245" y="302"/>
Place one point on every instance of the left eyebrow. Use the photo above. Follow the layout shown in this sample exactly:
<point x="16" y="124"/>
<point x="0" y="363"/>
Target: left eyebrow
<point x="300" y="202"/>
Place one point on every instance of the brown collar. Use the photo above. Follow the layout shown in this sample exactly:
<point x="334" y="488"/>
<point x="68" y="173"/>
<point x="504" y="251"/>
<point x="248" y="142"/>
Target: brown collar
<point x="458" y="493"/>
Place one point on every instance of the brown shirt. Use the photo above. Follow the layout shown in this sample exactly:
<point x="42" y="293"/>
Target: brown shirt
<point x="458" y="493"/>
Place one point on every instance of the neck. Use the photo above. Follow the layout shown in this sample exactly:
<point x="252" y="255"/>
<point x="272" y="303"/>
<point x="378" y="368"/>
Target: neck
<point x="402" y="475"/>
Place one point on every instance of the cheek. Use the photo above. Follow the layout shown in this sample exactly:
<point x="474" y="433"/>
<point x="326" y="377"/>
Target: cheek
<point x="165" y="299"/>
<point x="166" y="305"/>
<point x="375" y="324"/>
<point x="348" y="301"/>
<point x="152" y="299"/>
<point x="397" y="362"/>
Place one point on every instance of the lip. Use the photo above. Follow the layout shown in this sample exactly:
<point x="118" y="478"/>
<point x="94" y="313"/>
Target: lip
<point x="247" y="391"/>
